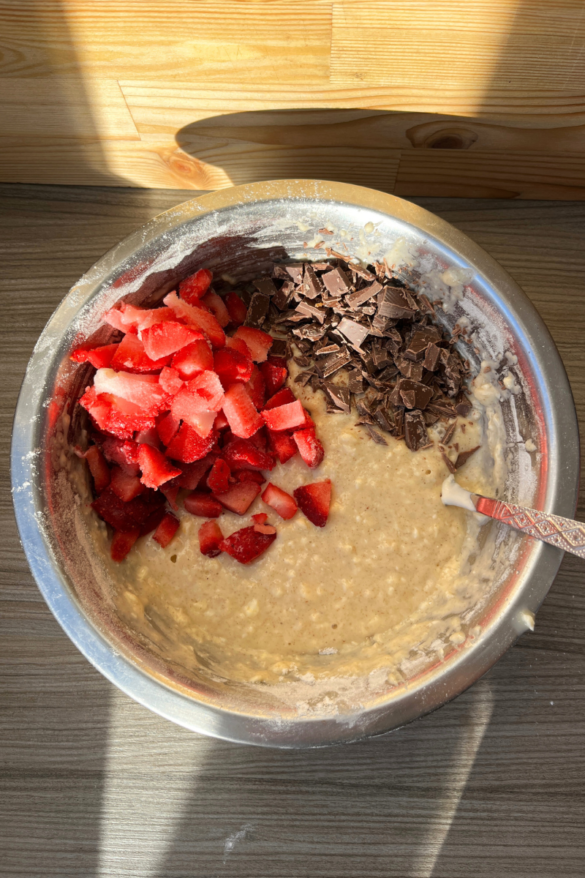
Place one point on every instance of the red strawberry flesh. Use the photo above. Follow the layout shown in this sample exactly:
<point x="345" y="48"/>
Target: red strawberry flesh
<point x="314" y="501"/>
<point x="247" y="544"/>
<point x="210" y="539"/>
<point x="166" y="530"/>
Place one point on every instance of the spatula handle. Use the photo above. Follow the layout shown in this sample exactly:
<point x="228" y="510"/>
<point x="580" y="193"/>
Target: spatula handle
<point x="565" y="533"/>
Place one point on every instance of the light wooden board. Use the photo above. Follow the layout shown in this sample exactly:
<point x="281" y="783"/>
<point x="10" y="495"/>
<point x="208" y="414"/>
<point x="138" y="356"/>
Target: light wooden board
<point x="452" y="94"/>
<point x="92" y="784"/>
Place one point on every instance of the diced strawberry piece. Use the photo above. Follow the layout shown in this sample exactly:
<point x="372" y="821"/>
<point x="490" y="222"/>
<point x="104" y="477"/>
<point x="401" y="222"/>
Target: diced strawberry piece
<point x="166" y="530"/>
<point x="218" y="480"/>
<point x="125" y="454"/>
<point x="99" y="358"/>
<point x="205" y="392"/>
<point x="260" y="518"/>
<point x="256" y="388"/>
<point x="156" y="469"/>
<point x="210" y="536"/>
<point x="148" y="437"/>
<point x="239" y="345"/>
<point x="203" y="505"/>
<point x="115" y="415"/>
<point x="249" y="475"/>
<point x="217" y="307"/>
<point x="314" y="501"/>
<point x="247" y="544"/>
<point x="264" y="529"/>
<point x="132" y="319"/>
<point x="283" y="445"/>
<point x="170" y="381"/>
<point x="195" y="286"/>
<point x="152" y="522"/>
<point x="240" y="497"/>
<point x="285" y="417"/>
<point x="124" y="516"/>
<point x="309" y="422"/>
<point x="280" y="501"/>
<point x="198" y="318"/>
<point x="125" y="486"/>
<point x="122" y="542"/>
<point x="260" y="439"/>
<point x="141" y="390"/>
<point x="236" y="308"/>
<point x="309" y="447"/>
<point x="274" y="376"/>
<point x="192" y="473"/>
<point x="188" y="446"/>
<point x="165" y="339"/>
<point x="283" y="397"/>
<point x="151" y="317"/>
<point x="197" y="357"/>
<point x="243" y="454"/>
<point x="115" y="318"/>
<point x="232" y="366"/>
<point x="167" y="427"/>
<point x="99" y="469"/>
<point x="259" y="342"/>
<point x="281" y="362"/>
<point x="171" y="492"/>
<point x="220" y="422"/>
<point x="131" y="357"/>
<point x="240" y="412"/>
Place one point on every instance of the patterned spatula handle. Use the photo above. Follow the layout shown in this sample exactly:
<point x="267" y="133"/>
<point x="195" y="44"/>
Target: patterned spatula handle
<point x="564" y="533"/>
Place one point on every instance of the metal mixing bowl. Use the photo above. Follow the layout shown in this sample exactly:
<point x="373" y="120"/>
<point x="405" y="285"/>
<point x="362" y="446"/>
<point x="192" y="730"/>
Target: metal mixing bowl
<point x="236" y="231"/>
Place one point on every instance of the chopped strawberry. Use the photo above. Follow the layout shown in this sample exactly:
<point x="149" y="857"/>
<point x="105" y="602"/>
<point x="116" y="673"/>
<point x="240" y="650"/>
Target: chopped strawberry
<point x="115" y="415"/>
<point x="148" y="437"/>
<point x="259" y="342"/>
<point x="260" y="439"/>
<point x="249" y="475"/>
<point x="99" y="358"/>
<point x="132" y="319"/>
<point x="122" y="542"/>
<point x="309" y="422"/>
<point x="260" y="518"/>
<point x="156" y="469"/>
<point x="239" y="345"/>
<point x="115" y="318"/>
<point x="281" y="362"/>
<point x="243" y="454"/>
<point x="167" y="427"/>
<point x="284" y="417"/>
<point x="274" y="376"/>
<point x="166" y="530"/>
<point x="314" y="501"/>
<point x="231" y="366"/>
<point x="309" y="447"/>
<point x="282" y="445"/>
<point x="240" y="497"/>
<point x="256" y="388"/>
<point x="165" y="339"/>
<point x="141" y="390"/>
<point x="125" y="486"/>
<point x="247" y="544"/>
<point x="193" y="359"/>
<point x="264" y="529"/>
<point x="280" y="501"/>
<point x="124" y="453"/>
<point x="99" y="469"/>
<point x="220" y="422"/>
<point x="217" y="307"/>
<point x="210" y="537"/>
<point x="198" y="318"/>
<point x="218" y="480"/>
<point x="240" y="412"/>
<point x="188" y="446"/>
<point x="203" y="505"/>
<point x="154" y="316"/>
<point x="124" y="516"/>
<point x="170" y="381"/>
<point x="131" y="357"/>
<point x="283" y="397"/>
<point x="171" y="492"/>
<point x="236" y="308"/>
<point x="202" y="394"/>
<point x="192" y="473"/>
<point x="195" y="286"/>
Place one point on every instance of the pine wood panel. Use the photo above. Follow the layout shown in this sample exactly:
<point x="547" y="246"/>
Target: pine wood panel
<point x="92" y="784"/>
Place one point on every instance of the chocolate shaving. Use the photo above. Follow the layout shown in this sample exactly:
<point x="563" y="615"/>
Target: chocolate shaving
<point x="448" y="463"/>
<point x="327" y="349"/>
<point x="449" y="434"/>
<point x="339" y="396"/>
<point x="373" y="434"/>
<point x="415" y="431"/>
<point x="464" y="456"/>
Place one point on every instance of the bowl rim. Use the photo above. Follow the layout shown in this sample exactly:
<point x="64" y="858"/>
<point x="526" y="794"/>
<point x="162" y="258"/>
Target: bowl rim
<point x="171" y="703"/>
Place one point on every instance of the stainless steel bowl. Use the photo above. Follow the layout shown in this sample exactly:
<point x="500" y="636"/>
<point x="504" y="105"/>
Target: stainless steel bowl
<point x="234" y="231"/>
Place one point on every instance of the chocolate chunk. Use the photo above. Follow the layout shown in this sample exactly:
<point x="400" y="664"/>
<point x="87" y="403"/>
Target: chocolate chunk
<point x="302" y="361"/>
<point x="443" y="408"/>
<point x="265" y="286"/>
<point x="358" y="271"/>
<point x="280" y="271"/>
<point x="410" y="369"/>
<point x="373" y="434"/>
<point x="296" y="272"/>
<point x="327" y="349"/>
<point x="303" y="378"/>
<point x="381" y="356"/>
<point x="361" y="296"/>
<point x="415" y="431"/>
<point x="431" y="359"/>
<point x="395" y="303"/>
<point x="280" y="348"/>
<point x="257" y="310"/>
<point x="312" y="333"/>
<point x="282" y="296"/>
<point x="464" y="456"/>
<point x="430" y="417"/>
<point x="463" y="405"/>
<point x="449" y="434"/>
<point x="309" y="311"/>
<point x="334" y="362"/>
<point x="448" y="463"/>
<point x="383" y="420"/>
<point x="414" y="394"/>
<point x="339" y="395"/>
<point x="418" y="344"/>
<point x="336" y="281"/>
<point x="312" y="286"/>
<point x="356" y="382"/>
<point x="354" y="332"/>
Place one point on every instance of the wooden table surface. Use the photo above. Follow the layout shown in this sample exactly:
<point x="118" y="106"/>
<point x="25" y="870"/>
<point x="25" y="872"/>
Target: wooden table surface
<point x="92" y="784"/>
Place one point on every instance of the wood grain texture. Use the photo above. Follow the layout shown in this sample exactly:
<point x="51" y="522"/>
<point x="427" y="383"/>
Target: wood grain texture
<point x="92" y="784"/>
<point x="105" y="93"/>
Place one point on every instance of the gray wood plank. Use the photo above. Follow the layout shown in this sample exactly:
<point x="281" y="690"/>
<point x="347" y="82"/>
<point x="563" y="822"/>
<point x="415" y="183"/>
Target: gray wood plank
<point x="93" y="784"/>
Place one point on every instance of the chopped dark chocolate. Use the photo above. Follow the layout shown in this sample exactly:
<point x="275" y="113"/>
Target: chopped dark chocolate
<point x="395" y="303"/>
<point x="339" y="395"/>
<point x="356" y="382"/>
<point x="312" y="286"/>
<point x="310" y="311"/>
<point x="418" y="344"/>
<point x="449" y="434"/>
<point x="280" y="348"/>
<point x="464" y="456"/>
<point x="448" y="462"/>
<point x="360" y="297"/>
<point x="336" y="281"/>
<point x="265" y="285"/>
<point x="282" y="296"/>
<point x="327" y="349"/>
<point x="463" y="405"/>
<point x="296" y="272"/>
<point x="257" y="310"/>
<point x="414" y="394"/>
<point x="443" y="408"/>
<point x="431" y="359"/>
<point x="410" y="369"/>
<point x="373" y="434"/>
<point x="415" y="431"/>
<point x="334" y="362"/>
<point x="354" y="332"/>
